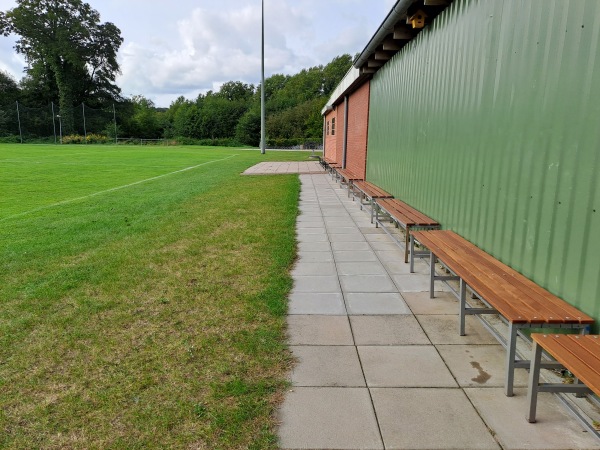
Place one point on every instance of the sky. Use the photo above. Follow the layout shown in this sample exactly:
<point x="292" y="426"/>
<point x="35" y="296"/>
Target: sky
<point x="186" y="47"/>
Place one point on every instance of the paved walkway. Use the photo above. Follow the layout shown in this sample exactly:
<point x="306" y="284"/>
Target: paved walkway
<point x="273" y="168"/>
<point x="380" y="365"/>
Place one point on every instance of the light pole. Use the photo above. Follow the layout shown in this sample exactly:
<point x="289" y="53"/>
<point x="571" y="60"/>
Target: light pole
<point x="59" y="127"/>
<point x="262" y="85"/>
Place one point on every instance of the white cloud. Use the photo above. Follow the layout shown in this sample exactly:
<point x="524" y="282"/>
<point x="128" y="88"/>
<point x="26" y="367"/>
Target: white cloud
<point x="185" y="47"/>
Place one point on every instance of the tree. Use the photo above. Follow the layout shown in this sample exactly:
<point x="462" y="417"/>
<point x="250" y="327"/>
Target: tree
<point x="66" y="39"/>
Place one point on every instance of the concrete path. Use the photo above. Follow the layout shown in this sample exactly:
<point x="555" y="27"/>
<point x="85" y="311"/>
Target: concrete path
<point x="379" y="364"/>
<point x="274" y="168"/>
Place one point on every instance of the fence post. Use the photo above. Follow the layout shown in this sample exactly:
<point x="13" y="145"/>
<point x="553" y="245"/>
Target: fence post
<point x="19" y="120"/>
<point x="54" y="123"/>
<point x="84" y="129"/>
<point x="115" y="120"/>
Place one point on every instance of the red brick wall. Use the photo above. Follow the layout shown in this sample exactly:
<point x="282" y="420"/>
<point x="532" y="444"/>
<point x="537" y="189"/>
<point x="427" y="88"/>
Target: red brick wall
<point x="339" y="133"/>
<point x="330" y="140"/>
<point x="358" y="126"/>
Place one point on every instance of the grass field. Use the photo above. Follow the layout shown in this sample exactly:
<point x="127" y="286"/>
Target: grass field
<point x="142" y="296"/>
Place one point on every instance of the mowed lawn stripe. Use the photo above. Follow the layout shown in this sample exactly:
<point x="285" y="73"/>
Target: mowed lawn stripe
<point x="41" y="177"/>
<point x="152" y="317"/>
<point x="85" y="197"/>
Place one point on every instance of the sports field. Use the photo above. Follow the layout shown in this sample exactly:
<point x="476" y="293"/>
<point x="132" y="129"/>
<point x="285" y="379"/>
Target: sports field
<point x="142" y="296"/>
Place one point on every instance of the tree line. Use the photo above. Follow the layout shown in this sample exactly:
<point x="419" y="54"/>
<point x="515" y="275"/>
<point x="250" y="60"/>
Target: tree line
<point x="71" y="57"/>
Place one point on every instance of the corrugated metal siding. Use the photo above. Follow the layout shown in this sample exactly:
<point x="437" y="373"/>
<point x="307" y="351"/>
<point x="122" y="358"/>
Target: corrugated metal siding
<point x="489" y="121"/>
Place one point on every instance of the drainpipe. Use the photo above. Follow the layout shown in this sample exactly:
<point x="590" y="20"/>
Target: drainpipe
<point x="345" y="147"/>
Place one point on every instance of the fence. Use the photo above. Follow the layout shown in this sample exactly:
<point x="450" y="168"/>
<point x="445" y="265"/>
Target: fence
<point x="49" y="124"/>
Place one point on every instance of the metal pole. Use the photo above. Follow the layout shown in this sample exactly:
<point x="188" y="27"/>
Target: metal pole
<point x="84" y="130"/>
<point x="262" y="85"/>
<point x="115" y="120"/>
<point x="19" y="120"/>
<point x="54" y="123"/>
<point x="60" y="127"/>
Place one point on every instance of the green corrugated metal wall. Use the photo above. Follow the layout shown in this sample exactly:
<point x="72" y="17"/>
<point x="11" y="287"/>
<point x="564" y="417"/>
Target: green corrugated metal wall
<point x="489" y="121"/>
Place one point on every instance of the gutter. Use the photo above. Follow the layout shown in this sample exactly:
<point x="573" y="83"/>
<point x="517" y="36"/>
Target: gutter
<point x="398" y="11"/>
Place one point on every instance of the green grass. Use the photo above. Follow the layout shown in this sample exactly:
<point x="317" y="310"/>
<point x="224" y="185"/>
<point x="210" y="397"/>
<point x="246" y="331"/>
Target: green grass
<point x="147" y="316"/>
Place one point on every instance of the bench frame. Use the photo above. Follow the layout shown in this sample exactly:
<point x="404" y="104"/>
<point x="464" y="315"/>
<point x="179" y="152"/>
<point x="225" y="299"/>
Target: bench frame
<point x="509" y="342"/>
<point x="408" y="248"/>
<point x="362" y="195"/>
<point x="534" y="387"/>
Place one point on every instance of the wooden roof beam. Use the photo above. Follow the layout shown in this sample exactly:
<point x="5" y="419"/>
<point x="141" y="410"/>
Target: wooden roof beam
<point x="403" y="32"/>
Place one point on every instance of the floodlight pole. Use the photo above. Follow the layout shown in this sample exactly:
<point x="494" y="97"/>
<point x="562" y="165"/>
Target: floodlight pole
<point x="60" y="127"/>
<point x="115" y="120"/>
<point x="54" y="123"/>
<point x="19" y="120"/>
<point x="262" y="85"/>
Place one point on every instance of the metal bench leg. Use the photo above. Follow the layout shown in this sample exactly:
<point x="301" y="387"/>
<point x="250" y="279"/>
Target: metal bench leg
<point x="376" y="208"/>
<point x="412" y="254"/>
<point x="431" y="274"/>
<point x="406" y="243"/>
<point x="511" y="350"/>
<point x="463" y="307"/>
<point x="534" y="380"/>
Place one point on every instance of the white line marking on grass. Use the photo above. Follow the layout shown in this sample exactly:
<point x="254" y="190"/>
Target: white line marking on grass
<point x="64" y="202"/>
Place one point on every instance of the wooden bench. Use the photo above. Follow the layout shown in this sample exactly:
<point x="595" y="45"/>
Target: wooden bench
<point x="370" y="192"/>
<point x="403" y="216"/>
<point x="327" y="163"/>
<point x="347" y="177"/>
<point x="578" y="354"/>
<point x="504" y="291"/>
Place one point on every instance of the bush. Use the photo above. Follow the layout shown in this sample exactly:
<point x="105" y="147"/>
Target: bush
<point x="92" y="138"/>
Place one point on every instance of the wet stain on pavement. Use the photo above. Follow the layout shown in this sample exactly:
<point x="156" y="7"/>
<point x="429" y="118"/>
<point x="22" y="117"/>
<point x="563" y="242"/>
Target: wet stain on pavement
<point x="483" y="376"/>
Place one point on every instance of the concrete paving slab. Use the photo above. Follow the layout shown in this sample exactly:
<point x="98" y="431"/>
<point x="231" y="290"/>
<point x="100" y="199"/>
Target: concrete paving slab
<point x="388" y="330"/>
<point x="370" y="229"/>
<point x="343" y="230"/>
<point x="420" y="418"/>
<point x="360" y="268"/>
<point x="388" y="247"/>
<point x="555" y="427"/>
<point x="404" y="366"/>
<point x="321" y="284"/>
<point x="310" y="224"/>
<point x="312" y="237"/>
<point x="479" y="365"/>
<point x="367" y="283"/>
<point x="414" y="283"/>
<point x="375" y="303"/>
<point x="312" y="230"/>
<point x="420" y="303"/>
<point x="314" y="246"/>
<point x="346" y="237"/>
<point x="443" y="329"/>
<point x="319" y="330"/>
<point x="314" y="268"/>
<point x="308" y="256"/>
<point x="354" y="256"/>
<point x="328" y="418"/>
<point x="327" y="366"/>
<point x="402" y="268"/>
<point x="321" y="304"/>
<point x="391" y="255"/>
<point x="378" y="238"/>
<point x="350" y="246"/>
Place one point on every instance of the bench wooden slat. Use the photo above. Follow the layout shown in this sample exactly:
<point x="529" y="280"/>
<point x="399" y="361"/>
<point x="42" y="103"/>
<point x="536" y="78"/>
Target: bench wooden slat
<point x="347" y="175"/>
<point x="517" y="279"/>
<point x="371" y="191"/>
<point x="579" y="354"/>
<point x="405" y="213"/>
<point x="463" y="269"/>
<point x="511" y="287"/>
<point x="517" y="298"/>
<point x="553" y="305"/>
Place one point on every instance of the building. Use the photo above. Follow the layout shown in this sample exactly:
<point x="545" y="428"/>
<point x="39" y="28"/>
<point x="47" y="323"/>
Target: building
<point x="484" y="115"/>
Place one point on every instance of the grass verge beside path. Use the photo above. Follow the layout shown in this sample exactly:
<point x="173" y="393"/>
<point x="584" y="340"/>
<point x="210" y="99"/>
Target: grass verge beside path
<point x="149" y="317"/>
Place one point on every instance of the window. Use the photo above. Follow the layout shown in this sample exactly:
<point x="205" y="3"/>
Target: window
<point x="333" y="126"/>
<point x="328" y="128"/>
